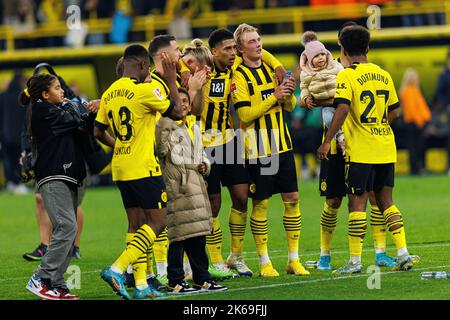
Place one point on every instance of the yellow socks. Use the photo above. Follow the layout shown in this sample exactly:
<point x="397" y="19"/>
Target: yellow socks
<point x="160" y="247"/>
<point x="143" y="238"/>
<point x="237" y="223"/>
<point x="378" y="228"/>
<point x="292" y="221"/>
<point x="214" y="242"/>
<point x="328" y="222"/>
<point x="259" y="226"/>
<point x="357" y="226"/>
<point x="394" y="223"/>
<point x="140" y="266"/>
<point x="150" y="260"/>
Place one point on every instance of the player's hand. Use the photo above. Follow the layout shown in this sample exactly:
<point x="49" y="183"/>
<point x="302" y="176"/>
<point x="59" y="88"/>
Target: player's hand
<point x="280" y="73"/>
<point x="169" y="68"/>
<point x="185" y="76"/>
<point x="322" y="152"/>
<point x="202" y="168"/>
<point x="93" y="105"/>
<point x="309" y="102"/>
<point x="282" y="92"/>
<point x="290" y="83"/>
<point x="197" y="81"/>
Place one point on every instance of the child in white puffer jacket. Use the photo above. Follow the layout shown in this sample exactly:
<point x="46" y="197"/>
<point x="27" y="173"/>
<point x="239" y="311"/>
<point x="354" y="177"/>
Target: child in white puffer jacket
<point x="318" y="78"/>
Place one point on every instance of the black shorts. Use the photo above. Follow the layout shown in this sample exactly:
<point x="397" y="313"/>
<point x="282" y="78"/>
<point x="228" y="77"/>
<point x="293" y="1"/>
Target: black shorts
<point x="277" y="176"/>
<point x="332" y="177"/>
<point x="227" y="167"/>
<point x="364" y="177"/>
<point x="145" y="193"/>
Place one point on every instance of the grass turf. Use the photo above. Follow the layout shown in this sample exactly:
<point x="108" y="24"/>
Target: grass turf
<point x="424" y="202"/>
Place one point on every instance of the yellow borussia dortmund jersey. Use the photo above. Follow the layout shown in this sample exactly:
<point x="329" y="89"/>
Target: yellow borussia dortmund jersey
<point x="269" y="134"/>
<point x="130" y="108"/>
<point x="216" y="122"/>
<point x="159" y="82"/>
<point x="370" y="93"/>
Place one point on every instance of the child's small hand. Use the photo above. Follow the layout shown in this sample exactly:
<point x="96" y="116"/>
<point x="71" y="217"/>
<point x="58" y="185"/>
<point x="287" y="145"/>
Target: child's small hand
<point x="202" y="168"/>
<point x="309" y="101"/>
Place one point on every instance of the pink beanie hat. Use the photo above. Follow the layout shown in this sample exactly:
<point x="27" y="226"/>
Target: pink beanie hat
<point x="313" y="48"/>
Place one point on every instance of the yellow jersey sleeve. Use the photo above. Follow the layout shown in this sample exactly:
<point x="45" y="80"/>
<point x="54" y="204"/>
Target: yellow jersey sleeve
<point x="267" y="57"/>
<point x="392" y="101"/>
<point x="344" y="91"/>
<point x="240" y="96"/>
<point x="102" y="117"/>
<point x="270" y="60"/>
<point x="152" y="97"/>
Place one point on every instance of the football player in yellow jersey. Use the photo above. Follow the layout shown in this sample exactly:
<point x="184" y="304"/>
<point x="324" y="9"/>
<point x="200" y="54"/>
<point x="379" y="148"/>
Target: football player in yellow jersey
<point x="227" y="164"/>
<point x="167" y="45"/>
<point x="332" y="186"/>
<point x="130" y="106"/>
<point x="259" y="102"/>
<point x="366" y="103"/>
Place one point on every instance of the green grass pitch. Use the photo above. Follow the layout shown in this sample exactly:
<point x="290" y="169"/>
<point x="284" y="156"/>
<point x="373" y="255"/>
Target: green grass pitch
<point x="424" y="202"/>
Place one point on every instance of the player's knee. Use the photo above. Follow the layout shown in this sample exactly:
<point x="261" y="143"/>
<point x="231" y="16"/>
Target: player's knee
<point x="240" y="203"/>
<point x="334" y="203"/>
<point x="291" y="197"/>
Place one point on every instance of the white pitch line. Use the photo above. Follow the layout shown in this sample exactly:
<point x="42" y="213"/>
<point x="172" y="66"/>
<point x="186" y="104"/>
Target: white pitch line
<point x="286" y="284"/>
<point x="444" y="244"/>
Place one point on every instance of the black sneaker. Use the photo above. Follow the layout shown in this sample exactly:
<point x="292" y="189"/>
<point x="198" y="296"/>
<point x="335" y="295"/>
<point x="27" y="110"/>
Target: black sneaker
<point x="76" y="253"/>
<point x="37" y="254"/>
<point x="154" y="282"/>
<point x="210" y="285"/>
<point x="181" y="288"/>
<point x="128" y="280"/>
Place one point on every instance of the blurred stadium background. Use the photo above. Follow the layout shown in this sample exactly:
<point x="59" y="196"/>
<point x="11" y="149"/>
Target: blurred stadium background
<point x="84" y="43"/>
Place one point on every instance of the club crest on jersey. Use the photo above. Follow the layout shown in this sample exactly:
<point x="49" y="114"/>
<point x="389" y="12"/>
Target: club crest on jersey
<point x="158" y="94"/>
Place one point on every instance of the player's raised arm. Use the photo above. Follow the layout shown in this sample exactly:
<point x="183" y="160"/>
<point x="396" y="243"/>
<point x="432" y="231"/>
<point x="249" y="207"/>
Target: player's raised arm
<point x="170" y="75"/>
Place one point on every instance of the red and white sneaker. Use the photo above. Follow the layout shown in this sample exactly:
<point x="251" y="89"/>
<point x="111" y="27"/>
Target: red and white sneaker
<point x="64" y="294"/>
<point x="42" y="288"/>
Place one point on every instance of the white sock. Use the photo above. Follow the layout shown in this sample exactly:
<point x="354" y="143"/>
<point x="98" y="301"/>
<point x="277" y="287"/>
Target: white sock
<point x="293" y="255"/>
<point x="187" y="267"/>
<point x="378" y="250"/>
<point x="161" y="268"/>
<point x="116" y="270"/>
<point x="219" y="264"/>
<point x="263" y="259"/>
<point x="142" y="287"/>
<point x="150" y="275"/>
<point x="325" y="252"/>
<point x="402" y="251"/>
<point x="355" y="259"/>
